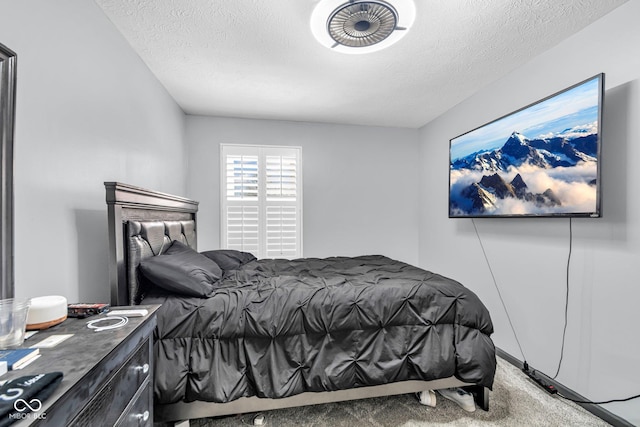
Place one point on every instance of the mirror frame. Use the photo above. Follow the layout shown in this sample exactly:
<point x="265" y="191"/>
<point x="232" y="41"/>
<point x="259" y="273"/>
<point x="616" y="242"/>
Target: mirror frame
<point x="7" y="124"/>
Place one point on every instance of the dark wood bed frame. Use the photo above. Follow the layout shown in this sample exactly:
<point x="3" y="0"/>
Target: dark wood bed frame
<point x="128" y="203"/>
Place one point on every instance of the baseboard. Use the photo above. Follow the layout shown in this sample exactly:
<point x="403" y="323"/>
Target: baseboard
<point x="596" y="410"/>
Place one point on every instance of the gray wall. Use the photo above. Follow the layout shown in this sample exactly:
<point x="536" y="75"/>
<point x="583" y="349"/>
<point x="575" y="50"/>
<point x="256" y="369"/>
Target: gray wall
<point x="360" y="183"/>
<point x="529" y="257"/>
<point x="88" y="111"/>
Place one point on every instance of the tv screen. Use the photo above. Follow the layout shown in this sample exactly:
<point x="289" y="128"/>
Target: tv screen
<point x="539" y="161"/>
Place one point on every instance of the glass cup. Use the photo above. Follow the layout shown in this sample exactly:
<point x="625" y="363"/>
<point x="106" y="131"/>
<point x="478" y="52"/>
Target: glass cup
<point x="13" y="321"/>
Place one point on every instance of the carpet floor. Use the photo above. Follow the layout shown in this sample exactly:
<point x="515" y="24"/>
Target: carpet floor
<point x="514" y="401"/>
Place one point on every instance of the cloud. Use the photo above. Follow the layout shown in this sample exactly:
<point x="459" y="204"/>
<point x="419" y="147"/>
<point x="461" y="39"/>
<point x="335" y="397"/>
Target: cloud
<point x="574" y="132"/>
<point x="569" y="184"/>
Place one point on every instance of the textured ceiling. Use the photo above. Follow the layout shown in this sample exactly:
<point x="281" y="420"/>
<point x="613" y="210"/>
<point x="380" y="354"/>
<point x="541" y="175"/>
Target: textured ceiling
<point x="259" y="59"/>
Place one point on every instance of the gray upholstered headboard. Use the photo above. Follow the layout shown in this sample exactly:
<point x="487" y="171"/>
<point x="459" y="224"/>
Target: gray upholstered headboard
<point x="142" y="223"/>
<point x="145" y="239"/>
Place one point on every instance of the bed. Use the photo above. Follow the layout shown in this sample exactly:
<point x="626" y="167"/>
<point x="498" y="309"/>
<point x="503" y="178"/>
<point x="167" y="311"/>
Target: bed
<point x="261" y="334"/>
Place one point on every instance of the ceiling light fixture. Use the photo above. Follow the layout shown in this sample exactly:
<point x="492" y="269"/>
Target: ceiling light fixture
<point x="361" y="26"/>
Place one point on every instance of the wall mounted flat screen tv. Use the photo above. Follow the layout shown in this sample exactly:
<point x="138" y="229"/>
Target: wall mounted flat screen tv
<point x="540" y="161"/>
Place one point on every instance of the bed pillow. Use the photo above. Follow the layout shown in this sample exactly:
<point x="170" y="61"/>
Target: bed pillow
<point x="229" y="259"/>
<point x="182" y="270"/>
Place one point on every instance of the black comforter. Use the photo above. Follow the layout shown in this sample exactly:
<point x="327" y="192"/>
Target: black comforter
<point x="276" y="328"/>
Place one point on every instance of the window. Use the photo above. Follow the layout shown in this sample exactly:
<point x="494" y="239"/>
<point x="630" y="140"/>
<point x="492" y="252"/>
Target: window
<point x="261" y="200"/>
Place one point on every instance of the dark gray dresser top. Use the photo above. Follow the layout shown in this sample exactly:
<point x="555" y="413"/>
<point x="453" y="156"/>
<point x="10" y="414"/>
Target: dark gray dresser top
<point x="86" y="359"/>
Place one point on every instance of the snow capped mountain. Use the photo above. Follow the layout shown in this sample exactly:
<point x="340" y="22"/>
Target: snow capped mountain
<point x="483" y="187"/>
<point x="566" y="148"/>
<point x="486" y="195"/>
<point x="481" y="199"/>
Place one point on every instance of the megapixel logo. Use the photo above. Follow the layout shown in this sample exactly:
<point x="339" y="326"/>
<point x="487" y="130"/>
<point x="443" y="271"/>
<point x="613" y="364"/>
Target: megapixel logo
<point x="24" y="409"/>
<point x="27" y="410"/>
<point x="22" y="405"/>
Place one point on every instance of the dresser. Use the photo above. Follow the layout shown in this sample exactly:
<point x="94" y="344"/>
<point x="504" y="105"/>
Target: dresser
<point x="107" y="374"/>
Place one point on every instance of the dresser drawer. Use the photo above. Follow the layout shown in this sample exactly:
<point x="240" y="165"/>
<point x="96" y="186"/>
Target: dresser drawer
<point x="112" y="399"/>
<point x="139" y="413"/>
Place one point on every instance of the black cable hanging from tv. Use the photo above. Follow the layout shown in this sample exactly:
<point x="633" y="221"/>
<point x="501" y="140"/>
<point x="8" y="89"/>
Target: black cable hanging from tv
<point x="495" y="283"/>
<point x="566" y="299"/>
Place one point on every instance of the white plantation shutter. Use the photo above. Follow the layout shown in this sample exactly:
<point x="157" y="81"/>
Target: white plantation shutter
<point x="262" y="200"/>
<point x="242" y="195"/>
<point x="242" y="177"/>
<point x="243" y="225"/>
<point x="281" y="206"/>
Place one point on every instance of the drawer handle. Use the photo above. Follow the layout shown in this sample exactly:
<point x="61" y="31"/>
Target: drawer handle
<point x="144" y="417"/>
<point x="144" y="368"/>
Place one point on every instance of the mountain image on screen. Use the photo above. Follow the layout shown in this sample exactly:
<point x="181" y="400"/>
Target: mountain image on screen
<point x="496" y="182"/>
